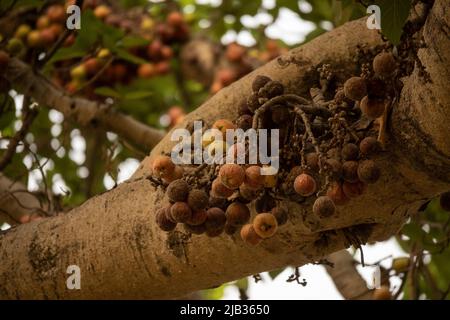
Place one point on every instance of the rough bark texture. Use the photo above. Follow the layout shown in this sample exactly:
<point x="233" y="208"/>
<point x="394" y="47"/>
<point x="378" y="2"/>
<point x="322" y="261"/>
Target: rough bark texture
<point x="82" y="111"/>
<point x="123" y="254"/>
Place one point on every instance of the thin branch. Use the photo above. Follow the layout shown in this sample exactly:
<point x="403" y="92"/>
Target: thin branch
<point x="19" y="136"/>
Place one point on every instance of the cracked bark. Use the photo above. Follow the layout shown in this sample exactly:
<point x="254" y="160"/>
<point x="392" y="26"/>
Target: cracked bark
<point x="123" y="254"/>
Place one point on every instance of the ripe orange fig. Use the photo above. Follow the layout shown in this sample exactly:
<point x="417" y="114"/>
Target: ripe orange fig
<point x="305" y="185"/>
<point x="249" y="235"/>
<point x="146" y="71"/>
<point x="265" y="225"/>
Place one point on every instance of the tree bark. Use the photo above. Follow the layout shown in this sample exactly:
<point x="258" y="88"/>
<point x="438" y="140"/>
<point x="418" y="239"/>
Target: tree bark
<point x="123" y="254"/>
<point x="346" y="277"/>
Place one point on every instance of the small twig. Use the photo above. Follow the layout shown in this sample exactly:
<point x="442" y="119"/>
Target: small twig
<point x="19" y="136"/>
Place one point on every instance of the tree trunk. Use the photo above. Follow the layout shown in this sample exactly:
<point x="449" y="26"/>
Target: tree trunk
<point x="123" y="254"/>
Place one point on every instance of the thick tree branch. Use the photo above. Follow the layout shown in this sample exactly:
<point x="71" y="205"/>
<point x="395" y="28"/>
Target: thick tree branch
<point x="346" y="277"/>
<point x="82" y="111"/>
<point x="123" y="254"/>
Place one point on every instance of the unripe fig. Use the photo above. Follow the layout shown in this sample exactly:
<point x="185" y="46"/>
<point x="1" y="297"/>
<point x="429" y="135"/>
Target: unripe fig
<point x="231" y="175"/>
<point x="102" y="11"/>
<point x="237" y="213"/>
<point x="78" y="72"/>
<point x="324" y="207"/>
<point x="215" y="219"/>
<point x="244" y="122"/>
<point x="265" y="225"/>
<point x="336" y="193"/>
<point x="280" y="214"/>
<point x="350" y="171"/>
<point x="259" y="82"/>
<point x="219" y="190"/>
<point x="249" y="235"/>
<point x="104" y="53"/>
<point x="369" y="146"/>
<point x="384" y="64"/>
<point x="180" y="212"/>
<point x="444" y="201"/>
<point x="198" y="217"/>
<point x="178" y="190"/>
<point x="15" y="46"/>
<point x="147" y="24"/>
<point x="253" y="177"/>
<point x="22" y="31"/>
<point x="350" y="151"/>
<point x="368" y="171"/>
<point x="197" y="199"/>
<point x="355" y="189"/>
<point x="355" y="88"/>
<point x="223" y="125"/>
<point x="372" y="108"/>
<point x="163" y="166"/>
<point x="163" y="222"/>
<point x="400" y="265"/>
<point x="305" y="185"/>
<point x="382" y="293"/>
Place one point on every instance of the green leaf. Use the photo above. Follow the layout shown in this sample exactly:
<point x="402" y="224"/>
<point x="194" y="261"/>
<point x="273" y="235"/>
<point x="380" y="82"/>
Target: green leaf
<point x="108" y="92"/>
<point x="133" y="41"/>
<point x="393" y="17"/>
<point x="7" y="114"/>
<point x="125" y="55"/>
<point x="274" y="273"/>
<point x="137" y="95"/>
<point x="68" y="53"/>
